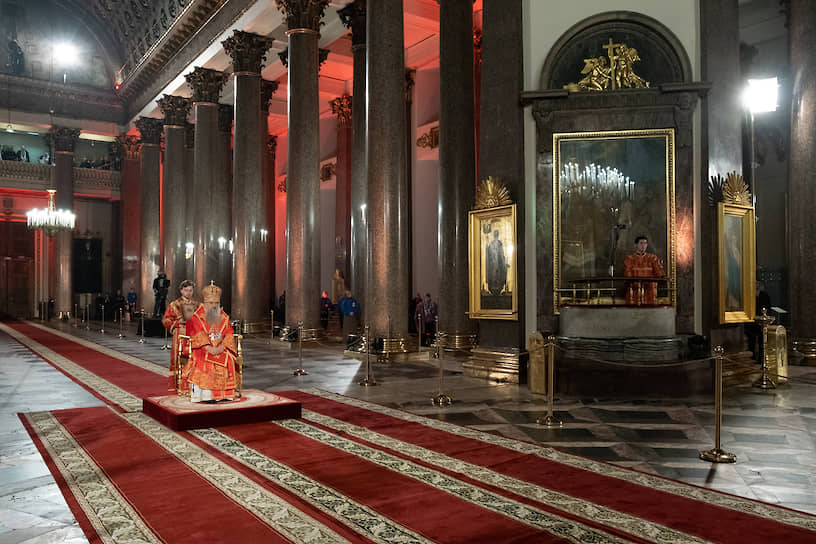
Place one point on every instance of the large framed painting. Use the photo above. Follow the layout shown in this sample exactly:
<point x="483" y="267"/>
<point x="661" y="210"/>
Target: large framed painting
<point x="609" y="189"/>
<point x="737" y="258"/>
<point x="492" y="263"/>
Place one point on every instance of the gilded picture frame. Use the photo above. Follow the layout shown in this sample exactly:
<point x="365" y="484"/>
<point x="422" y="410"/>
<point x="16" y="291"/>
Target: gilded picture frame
<point x="606" y="217"/>
<point x="493" y="286"/>
<point x="736" y="263"/>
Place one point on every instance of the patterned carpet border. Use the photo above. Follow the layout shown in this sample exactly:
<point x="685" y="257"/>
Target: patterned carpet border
<point x="748" y="506"/>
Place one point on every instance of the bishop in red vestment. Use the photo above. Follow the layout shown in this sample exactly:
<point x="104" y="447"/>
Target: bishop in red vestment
<point x="211" y="370"/>
<point x="642" y="265"/>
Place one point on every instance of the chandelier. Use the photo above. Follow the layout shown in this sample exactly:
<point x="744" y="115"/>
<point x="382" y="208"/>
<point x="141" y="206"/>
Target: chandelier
<point x="50" y="220"/>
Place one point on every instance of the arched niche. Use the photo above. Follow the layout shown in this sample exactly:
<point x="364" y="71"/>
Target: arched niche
<point x="666" y="62"/>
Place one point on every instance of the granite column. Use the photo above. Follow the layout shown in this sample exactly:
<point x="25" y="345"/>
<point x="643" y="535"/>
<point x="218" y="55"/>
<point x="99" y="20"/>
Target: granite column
<point x="189" y="188"/>
<point x="131" y="212"/>
<point x="457" y="169"/>
<point x="64" y="140"/>
<point x="250" y="228"/>
<point x="387" y="206"/>
<point x="341" y="107"/>
<point x="303" y="163"/>
<point x="354" y="17"/>
<point x="206" y="85"/>
<point x="175" y="199"/>
<point x="269" y="145"/>
<point x="150" y="252"/>
<point x="802" y="252"/>
<point x="222" y="207"/>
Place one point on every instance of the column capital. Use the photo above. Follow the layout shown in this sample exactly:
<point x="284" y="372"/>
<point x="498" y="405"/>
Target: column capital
<point x="225" y="116"/>
<point x="64" y="138"/>
<point x="410" y="81"/>
<point x="128" y="146"/>
<point x="268" y="89"/>
<point x="477" y="42"/>
<point x="206" y="84"/>
<point x="353" y="17"/>
<point x="271" y="144"/>
<point x="341" y="107"/>
<point x="322" y="55"/>
<point x="150" y="130"/>
<point x="303" y="14"/>
<point x="175" y="109"/>
<point x="247" y="50"/>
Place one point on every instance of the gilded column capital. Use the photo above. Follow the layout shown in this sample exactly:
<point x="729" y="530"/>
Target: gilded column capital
<point x="303" y="14"/>
<point x="353" y="17"/>
<point x="126" y="147"/>
<point x="477" y="43"/>
<point x="341" y="107"/>
<point x="206" y="84"/>
<point x="64" y="138"/>
<point x="225" y="116"/>
<point x="175" y="109"/>
<point x="247" y="50"/>
<point x="268" y="89"/>
<point x="150" y="130"/>
<point x="189" y="135"/>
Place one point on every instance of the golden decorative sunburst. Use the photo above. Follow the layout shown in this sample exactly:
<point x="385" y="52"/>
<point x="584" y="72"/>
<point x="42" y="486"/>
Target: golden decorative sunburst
<point x="735" y="191"/>
<point x="491" y="193"/>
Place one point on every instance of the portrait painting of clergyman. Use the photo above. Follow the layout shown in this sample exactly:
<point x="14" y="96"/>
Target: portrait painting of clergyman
<point x="496" y="290"/>
<point x="496" y="265"/>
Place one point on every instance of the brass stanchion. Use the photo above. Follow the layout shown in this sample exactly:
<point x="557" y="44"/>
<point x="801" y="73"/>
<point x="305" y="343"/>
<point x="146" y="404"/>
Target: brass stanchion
<point x="441" y="399"/>
<point x="102" y="330"/>
<point x="141" y="317"/>
<point x="550" y="420"/>
<point x="299" y="371"/>
<point x="369" y="379"/>
<point x="87" y="317"/>
<point x="419" y="332"/>
<point x="764" y="381"/>
<point x="76" y="316"/>
<point x="121" y="324"/>
<point x="717" y="455"/>
<point x="165" y="346"/>
<point x="271" y="326"/>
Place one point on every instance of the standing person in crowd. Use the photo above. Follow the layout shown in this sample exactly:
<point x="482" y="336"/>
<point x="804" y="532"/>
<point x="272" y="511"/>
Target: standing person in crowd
<point x="160" y="287"/>
<point x="349" y="314"/>
<point x="132" y="297"/>
<point x="175" y="321"/>
<point x="428" y="310"/>
<point x="118" y="304"/>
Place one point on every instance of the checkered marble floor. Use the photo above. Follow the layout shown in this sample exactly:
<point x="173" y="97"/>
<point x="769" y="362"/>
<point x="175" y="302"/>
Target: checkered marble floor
<point x="773" y="433"/>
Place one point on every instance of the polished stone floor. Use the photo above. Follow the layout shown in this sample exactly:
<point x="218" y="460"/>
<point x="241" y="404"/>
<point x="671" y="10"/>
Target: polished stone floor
<point x="773" y="433"/>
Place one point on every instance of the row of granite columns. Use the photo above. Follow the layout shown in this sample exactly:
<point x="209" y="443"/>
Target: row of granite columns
<point x="206" y="206"/>
<point x="373" y="196"/>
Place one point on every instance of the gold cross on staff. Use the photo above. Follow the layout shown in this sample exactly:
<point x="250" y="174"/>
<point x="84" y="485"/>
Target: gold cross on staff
<point x="212" y="282"/>
<point x="610" y="47"/>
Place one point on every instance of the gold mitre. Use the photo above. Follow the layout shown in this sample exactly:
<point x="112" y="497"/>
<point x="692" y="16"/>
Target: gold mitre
<point x="211" y="293"/>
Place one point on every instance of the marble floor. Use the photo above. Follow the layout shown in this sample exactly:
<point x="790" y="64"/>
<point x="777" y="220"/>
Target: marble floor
<point x="773" y="433"/>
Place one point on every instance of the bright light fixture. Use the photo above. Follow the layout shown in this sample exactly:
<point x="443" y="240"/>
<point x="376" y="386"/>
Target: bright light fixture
<point x="66" y="54"/>
<point x="761" y="95"/>
<point x="50" y="220"/>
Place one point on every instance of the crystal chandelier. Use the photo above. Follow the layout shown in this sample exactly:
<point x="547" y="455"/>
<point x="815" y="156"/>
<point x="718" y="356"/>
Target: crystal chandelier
<point x="51" y="220"/>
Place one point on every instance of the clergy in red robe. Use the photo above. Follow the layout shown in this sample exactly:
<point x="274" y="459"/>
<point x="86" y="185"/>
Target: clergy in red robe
<point x="211" y="370"/>
<point x="175" y="318"/>
<point x="642" y="265"/>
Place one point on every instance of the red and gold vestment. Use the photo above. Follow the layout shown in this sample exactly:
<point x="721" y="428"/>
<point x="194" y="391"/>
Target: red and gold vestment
<point x="642" y="266"/>
<point x="215" y="373"/>
<point x="175" y="317"/>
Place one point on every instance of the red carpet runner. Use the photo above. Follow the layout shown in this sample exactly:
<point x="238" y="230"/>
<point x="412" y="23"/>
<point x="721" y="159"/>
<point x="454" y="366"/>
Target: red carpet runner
<point x="351" y="471"/>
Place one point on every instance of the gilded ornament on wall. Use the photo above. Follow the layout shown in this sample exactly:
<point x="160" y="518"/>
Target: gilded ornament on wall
<point x="613" y="71"/>
<point x="492" y="193"/>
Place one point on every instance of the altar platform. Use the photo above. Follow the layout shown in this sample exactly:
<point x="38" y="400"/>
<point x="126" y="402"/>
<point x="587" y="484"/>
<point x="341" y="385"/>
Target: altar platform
<point x="254" y="406"/>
